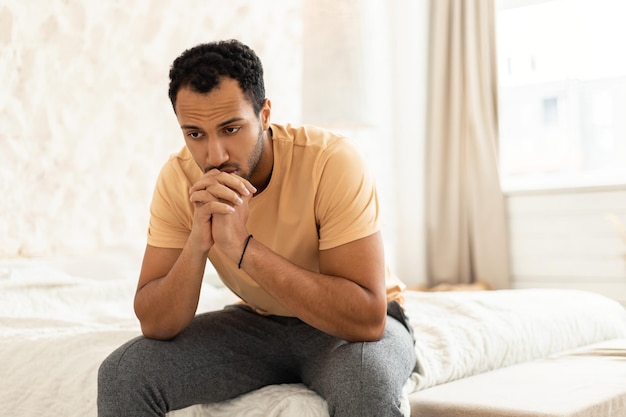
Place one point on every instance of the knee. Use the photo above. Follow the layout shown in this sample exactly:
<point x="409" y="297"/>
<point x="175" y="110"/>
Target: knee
<point x="118" y="376"/>
<point x="109" y="393"/>
<point x="117" y="366"/>
<point x="372" y="378"/>
<point x="367" y="387"/>
<point x="377" y="394"/>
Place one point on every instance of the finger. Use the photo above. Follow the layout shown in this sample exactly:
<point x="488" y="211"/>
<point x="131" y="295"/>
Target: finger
<point x="213" y="207"/>
<point x="216" y="177"/>
<point x="249" y="187"/>
<point x="237" y="183"/>
<point x="205" y="181"/>
<point x="232" y="181"/>
<point x="216" y="192"/>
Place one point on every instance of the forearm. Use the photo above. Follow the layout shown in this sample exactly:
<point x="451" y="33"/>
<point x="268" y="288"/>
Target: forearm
<point x="165" y="306"/>
<point x="335" y="305"/>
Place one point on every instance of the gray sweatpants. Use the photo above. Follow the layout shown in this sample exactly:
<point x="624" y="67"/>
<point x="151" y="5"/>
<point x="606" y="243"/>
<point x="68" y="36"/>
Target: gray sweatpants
<point x="230" y="352"/>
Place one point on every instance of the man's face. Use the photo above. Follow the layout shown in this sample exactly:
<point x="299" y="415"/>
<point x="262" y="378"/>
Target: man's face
<point x="222" y="130"/>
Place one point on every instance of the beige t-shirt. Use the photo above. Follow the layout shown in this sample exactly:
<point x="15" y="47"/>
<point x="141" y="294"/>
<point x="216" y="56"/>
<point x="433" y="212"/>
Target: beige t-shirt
<point x="320" y="196"/>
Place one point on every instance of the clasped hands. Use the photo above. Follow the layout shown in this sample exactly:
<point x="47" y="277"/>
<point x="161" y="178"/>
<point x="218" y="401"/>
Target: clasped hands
<point x="220" y="202"/>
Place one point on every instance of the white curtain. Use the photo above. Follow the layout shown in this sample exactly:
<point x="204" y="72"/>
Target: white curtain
<point x="465" y="214"/>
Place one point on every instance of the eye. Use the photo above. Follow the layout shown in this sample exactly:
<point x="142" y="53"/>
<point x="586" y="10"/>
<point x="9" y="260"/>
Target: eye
<point x="195" y="135"/>
<point x="231" y="130"/>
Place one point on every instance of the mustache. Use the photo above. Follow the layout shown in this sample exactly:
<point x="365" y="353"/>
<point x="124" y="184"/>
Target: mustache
<point x="222" y="167"/>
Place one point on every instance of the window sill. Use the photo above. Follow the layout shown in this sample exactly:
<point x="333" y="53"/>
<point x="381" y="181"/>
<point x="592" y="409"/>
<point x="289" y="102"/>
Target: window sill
<point x="562" y="184"/>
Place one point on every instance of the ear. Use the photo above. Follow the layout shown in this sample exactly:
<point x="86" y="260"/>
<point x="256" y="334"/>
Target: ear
<point x="266" y="111"/>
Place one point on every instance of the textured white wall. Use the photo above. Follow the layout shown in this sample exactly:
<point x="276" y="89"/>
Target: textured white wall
<point x="85" y="122"/>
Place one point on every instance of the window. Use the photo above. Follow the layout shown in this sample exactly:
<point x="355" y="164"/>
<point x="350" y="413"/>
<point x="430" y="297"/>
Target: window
<point x="562" y="93"/>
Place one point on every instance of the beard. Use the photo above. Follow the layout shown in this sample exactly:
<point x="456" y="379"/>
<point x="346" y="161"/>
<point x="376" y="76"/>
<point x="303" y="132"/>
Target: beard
<point x="255" y="156"/>
<point x="253" y="159"/>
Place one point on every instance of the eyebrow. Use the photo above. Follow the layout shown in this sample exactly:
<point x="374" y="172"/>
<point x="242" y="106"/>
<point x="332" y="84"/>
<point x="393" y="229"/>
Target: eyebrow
<point x="224" y="123"/>
<point x="190" y="127"/>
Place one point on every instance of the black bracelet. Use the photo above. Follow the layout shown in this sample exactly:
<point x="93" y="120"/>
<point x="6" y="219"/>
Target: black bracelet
<point x="244" y="251"/>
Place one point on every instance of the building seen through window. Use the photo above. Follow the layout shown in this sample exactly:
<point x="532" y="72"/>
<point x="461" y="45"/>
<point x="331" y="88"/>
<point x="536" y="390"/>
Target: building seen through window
<point x="562" y="93"/>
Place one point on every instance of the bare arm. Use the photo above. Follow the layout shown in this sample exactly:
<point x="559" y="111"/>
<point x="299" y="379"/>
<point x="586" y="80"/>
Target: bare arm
<point x="168" y="290"/>
<point x="346" y="299"/>
<point x="170" y="280"/>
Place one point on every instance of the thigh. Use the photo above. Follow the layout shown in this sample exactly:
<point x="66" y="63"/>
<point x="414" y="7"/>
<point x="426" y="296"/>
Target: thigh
<point x="220" y="355"/>
<point x="362" y="379"/>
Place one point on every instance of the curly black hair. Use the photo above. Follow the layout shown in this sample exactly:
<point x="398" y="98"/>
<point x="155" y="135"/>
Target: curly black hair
<point x="203" y="66"/>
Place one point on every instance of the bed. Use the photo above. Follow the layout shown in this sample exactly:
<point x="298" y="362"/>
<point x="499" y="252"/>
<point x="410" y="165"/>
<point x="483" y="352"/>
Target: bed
<point x="482" y="353"/>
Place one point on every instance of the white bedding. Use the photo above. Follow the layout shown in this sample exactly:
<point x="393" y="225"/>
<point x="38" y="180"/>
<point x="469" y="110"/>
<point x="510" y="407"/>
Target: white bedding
<point x="59" y="319"/>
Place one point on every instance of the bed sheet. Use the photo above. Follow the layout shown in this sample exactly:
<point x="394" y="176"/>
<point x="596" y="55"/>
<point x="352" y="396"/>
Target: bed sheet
<point x="60" y="318"/>
<point x="460" y="334"/>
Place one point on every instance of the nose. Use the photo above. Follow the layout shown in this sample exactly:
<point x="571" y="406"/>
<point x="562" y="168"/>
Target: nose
<point x="216" y="152"/>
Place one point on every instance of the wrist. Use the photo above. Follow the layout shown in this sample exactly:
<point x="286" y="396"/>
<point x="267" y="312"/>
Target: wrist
<point x="199" y="243"/>
<point x="243" y="251"/>
<point x="234" y="248"/>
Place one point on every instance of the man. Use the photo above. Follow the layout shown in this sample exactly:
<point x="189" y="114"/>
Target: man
<point x="288" y="216"/>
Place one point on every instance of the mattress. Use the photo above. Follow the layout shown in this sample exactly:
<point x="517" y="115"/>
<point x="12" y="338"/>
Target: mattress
<point x="59" y="318"/>
<point x="584" y="382"/>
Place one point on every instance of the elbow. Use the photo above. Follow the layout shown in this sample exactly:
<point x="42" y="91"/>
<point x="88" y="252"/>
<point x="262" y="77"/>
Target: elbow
<point x="374" y="320"/>
<point x="154" y="328"/>
<point x="378" y="332"/>
<point x="375" y="331"/>
<point x="374" y="328"/>
<point x="372" y="331"/>
<point x="157" y="332"/>
<point x="371" y="334"/>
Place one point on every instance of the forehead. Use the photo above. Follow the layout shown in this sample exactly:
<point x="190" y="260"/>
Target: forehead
<point x="223" y="101"/>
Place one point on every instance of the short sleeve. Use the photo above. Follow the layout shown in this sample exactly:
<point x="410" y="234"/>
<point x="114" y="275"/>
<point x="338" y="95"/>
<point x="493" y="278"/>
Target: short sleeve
<point x="171" y="213"/>
<point x="347" y="207"/>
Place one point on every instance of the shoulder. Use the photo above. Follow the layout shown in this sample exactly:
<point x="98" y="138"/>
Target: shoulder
<point x="313" y="140"/>
<point x="304" y="135"/>
<point x="180" y="169"/>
